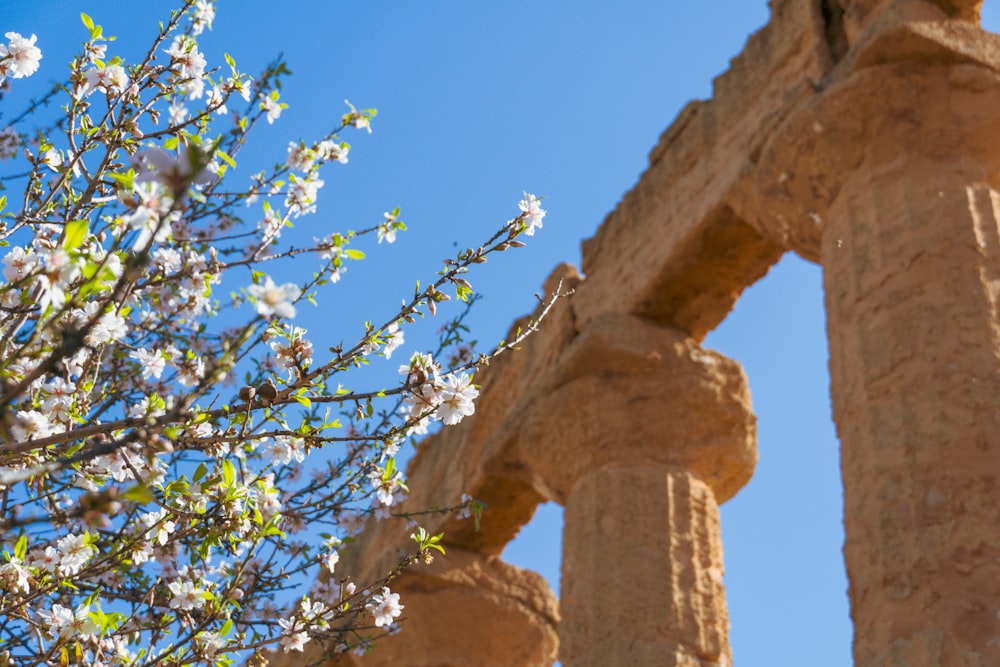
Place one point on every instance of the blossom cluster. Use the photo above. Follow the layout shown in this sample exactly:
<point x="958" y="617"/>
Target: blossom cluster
<point x="19" y="57"/>
<point x="168" y="430"/>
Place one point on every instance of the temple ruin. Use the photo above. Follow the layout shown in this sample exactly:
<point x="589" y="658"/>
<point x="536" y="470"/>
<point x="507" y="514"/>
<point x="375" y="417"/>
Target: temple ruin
<point x="863" y="135"/>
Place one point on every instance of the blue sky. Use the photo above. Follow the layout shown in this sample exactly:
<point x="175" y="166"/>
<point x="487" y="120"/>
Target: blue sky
<point x="481" y="101"/>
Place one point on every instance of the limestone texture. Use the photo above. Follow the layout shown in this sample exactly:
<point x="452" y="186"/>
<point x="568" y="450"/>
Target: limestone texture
<point x="865" y="136"/>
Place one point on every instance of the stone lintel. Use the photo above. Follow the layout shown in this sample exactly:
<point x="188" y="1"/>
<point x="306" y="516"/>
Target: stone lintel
<point x="676" y="249"/>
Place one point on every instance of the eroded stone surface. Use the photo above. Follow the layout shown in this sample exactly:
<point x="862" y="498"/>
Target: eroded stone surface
<point x="642" y="584"/>
<point x="463" y="609"/>
<point x="629" y="390"/>
<point x="891" y="181"/>
<point x="864" y="135"/>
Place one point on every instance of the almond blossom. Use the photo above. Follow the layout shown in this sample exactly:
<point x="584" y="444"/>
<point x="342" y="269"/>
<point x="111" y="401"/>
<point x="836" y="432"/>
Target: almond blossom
<point x="154" y="453"/>
<point x="74" y="552"/>
<point x="532" y="210"/>
<point x="293" y="637"/>
<point x="275" y="300"/>
<point x="385" y="607"/>
<point x="203" y="14"/>
<point x="65" y="622"/>
<point x="110" y="80"/>
<point x="271" y="107"/>
<point x="151" y="362"/>
<point x="186" y="596"/>
<point x="457" y="399"/>
<point x="14" y="576"/>
<point x="20" y="57"/>
<point x="19" y="263"/>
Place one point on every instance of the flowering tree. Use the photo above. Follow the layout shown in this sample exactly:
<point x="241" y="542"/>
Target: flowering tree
<point x="149" y="500"/>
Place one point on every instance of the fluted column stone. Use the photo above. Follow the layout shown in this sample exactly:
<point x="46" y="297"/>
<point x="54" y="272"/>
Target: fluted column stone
<point x="890" y="179"/>
<point x="640" y="434"/>
<point x="642" y="570"/>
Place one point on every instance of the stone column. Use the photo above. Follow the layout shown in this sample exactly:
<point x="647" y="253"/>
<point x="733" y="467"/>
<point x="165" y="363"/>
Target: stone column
<point x="642" y="571"/>
<point x="890" y="179"/>
<point x="640" y="434"/>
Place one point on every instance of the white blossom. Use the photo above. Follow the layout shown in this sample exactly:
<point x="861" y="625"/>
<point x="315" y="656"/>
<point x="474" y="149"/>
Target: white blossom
<point x="271" y="107"/>
<point x="302" y="192"/>
<point x="531" y="208"/>
<point x="385" y="607"/>
<point x="20" y="57"/>
<point x="330" y="560"/>
<point x="64" y="622"/>
<point x="292" y="639"/>
<point x="284" y="450"/>
<point x="329" y="150"/>
<point x="74" y="552"/>
<point x="19" y="264"/>
<point x="300" y="157"/>
<point x="158" y="526"/>
<point x="51" y="159"/>
<point x="217" y="101"/>
<point x="203" y="14"/>
<point x="112" y="79"/>
<point x="385" y="487"/>
<point x="186" y="596"/>
<point x="31" y="424"/>
<point x="14" y="575"/>
<point x="394" y="339"/>
<point x="457" y="399"/>
<point x="151" y="362"/>
<point x="387" y="230"/>
<point x="275" y="300"/>
<point x="177" y="113"/>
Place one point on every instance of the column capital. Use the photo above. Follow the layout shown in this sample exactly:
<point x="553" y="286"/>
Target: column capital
<point x="627" y="390"/>
<point x="896" y="105"/>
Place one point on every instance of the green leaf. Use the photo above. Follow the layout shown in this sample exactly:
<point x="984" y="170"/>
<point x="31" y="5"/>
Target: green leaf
<point x="21" y="548"/>
<point x="228" y="473"/>
<point x="230" y="61"/>
<point x="75" y="233"/>
<point x="87" y="21"/>
<point x="354" y="254"/>
<point x="225" y="158"/>
<point x="125" y="180"/>
<point x="139" y="494"/>
<point x="304" y="401"/>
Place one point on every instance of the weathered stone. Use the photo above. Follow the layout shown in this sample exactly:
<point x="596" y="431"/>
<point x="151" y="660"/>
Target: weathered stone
<point x="642" y="584"/>
<point x="465" y="609"/>
<point x="908" y="238"/>
<point x="629" y="390"/>
<point x="864" y="135"/>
